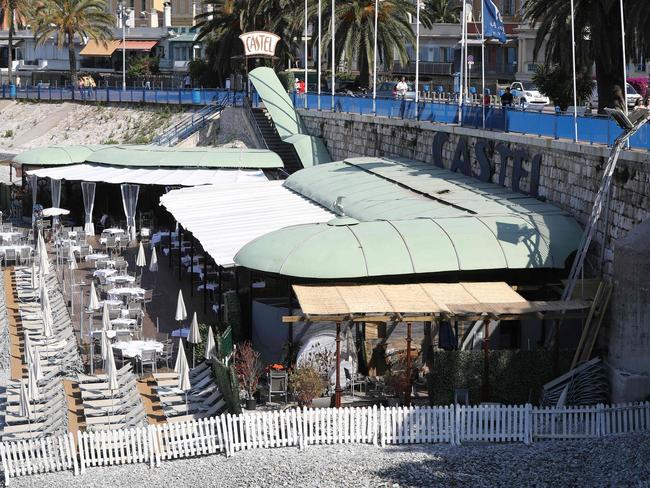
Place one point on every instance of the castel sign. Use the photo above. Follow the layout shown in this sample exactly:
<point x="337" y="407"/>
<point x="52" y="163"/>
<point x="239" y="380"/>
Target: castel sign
<point x="259" y="43"/>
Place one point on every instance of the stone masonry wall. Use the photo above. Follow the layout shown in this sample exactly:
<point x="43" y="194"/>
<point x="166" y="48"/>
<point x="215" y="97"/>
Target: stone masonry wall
<point x="569" y="174"/>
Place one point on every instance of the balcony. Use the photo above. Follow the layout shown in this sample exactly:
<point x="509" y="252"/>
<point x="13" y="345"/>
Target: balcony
<point x="426" y="68"/>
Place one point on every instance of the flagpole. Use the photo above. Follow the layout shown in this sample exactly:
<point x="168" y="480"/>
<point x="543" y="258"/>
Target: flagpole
<point x="462" y="65"/>
<point x="573" y="60"/>
<point x="467" y="67"/>
<point x="417" y="57"/>
<point x="374" y="63"/>
<point x="319" y="50"/>
<point x="333" y="22"/>
<point x="306" y="47"/>
<point x="624" y="64"/>
<point x="483" y="59"/>
<point x="624" y="60"/>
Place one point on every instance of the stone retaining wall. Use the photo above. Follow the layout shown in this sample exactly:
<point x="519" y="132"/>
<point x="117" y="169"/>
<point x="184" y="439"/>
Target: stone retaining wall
<point x="561" y="172"/>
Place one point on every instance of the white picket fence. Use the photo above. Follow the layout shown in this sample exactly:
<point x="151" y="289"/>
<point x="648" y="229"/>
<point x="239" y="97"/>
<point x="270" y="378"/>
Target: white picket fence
<point x="229" y="434"/>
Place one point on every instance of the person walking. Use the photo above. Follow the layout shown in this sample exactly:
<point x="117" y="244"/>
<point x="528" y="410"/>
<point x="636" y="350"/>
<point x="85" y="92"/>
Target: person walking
<point x="187" y="81"/>
<point x="506" y="98"/>
<point x="401" y="88"/>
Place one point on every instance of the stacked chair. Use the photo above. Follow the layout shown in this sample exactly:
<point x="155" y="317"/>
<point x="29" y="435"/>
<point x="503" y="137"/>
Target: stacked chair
<point x="204" y="399"/>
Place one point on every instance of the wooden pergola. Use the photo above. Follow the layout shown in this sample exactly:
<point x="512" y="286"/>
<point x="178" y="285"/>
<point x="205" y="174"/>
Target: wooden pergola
<point x="422" y="302"/>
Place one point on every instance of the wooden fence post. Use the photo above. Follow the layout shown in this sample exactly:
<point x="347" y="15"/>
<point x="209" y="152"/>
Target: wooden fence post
<point x="73" y="452"/>
<point x="82" y="453"/>
<point x="528" y="413"/>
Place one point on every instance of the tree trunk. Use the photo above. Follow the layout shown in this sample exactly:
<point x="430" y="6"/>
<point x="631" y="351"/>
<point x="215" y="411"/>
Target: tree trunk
<point x="610" y="86"/>
<point x="72" y="56"/>
<point x="364" y="68"/>
<point x="10" y="57"/>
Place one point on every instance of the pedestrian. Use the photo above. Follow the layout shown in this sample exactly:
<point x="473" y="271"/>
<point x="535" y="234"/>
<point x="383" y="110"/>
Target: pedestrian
<point x="296" y="86"/>
<point x="401" y="88"/>
<point x="81" y="88"/>
<point x="187" y="81"/>
<point x="506" y="98"/>
<point x="301" y="87"/>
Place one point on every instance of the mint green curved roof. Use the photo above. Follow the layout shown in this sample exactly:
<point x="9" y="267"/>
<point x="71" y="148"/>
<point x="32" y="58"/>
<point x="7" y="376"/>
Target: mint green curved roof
<point x="56" y="155"/>
<point x="405" y="217"/>
<point x="147" y="156"/>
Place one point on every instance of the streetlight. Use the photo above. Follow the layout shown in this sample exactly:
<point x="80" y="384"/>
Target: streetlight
<point x="123" y="15"/>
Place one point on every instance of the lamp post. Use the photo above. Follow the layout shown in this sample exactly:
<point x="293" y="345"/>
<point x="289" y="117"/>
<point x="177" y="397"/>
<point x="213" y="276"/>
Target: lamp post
<point x="123" y="15"/>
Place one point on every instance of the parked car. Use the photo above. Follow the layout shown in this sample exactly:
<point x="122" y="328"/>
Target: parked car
<point x="351" y="88"/>
<point x="632" y="97"/>
<point x="388" y="89"/>
<point x="526" y="94"/>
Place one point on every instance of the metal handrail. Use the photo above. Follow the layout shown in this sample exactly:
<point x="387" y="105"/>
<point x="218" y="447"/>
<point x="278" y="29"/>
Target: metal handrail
<point x="191" y="124"/>
<point x="253" y="122"/>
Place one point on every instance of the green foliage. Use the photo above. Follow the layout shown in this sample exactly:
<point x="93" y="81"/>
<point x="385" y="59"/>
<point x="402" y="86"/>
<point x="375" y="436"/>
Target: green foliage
<point x="306" y="384"/>
<point x="142" y="67"/>
<point x="516" y="377"/>
<point x="444" y="11"/>
<point x="556" y="82"/>
<point x="66" y="19"/>
<point x="110" y="141"/>
<point x="226" y="380"/>
<point x="288" y="80"/>
<point x="8" y="133"/>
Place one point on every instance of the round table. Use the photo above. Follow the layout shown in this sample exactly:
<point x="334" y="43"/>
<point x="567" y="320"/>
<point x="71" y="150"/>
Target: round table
<point x="120" y="279"/>
<point x="113" y="231"/>
<point x="114" y="303"/>
<point x="96" y="257"/>
<point x="124" y="322"/>
<point x="104" y="272"/>
<point x="133" y="349"/>
<point x="126" y="291"/>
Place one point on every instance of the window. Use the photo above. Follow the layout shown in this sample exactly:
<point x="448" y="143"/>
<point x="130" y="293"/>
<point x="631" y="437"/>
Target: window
<point x="508" y="7"/>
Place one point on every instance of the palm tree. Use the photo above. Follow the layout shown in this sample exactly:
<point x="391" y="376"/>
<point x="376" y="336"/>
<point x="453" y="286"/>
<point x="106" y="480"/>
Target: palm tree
<point x="355" y="28"/>
<point x="12" y="10"/>
<point x="66" y="19"/>
<point x="443" y="11"/>
<point x="598" y="38"/>
<point x="222" y="24"/>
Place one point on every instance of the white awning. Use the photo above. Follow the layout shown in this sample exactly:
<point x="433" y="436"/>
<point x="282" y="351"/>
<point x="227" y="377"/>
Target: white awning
<point x="225" y="218"/>
<point x="148" y="176"/>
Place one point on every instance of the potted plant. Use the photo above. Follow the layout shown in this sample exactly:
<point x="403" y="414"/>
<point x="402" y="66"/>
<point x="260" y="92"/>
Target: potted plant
<point x="248" y="366"/>
<point x="306" y="384"/>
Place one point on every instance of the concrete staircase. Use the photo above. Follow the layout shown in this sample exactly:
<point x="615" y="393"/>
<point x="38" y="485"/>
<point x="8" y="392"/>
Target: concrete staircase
<point x="266" y="128"/>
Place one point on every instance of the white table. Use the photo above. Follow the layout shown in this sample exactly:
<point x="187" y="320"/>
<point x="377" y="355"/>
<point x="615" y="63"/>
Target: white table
<point x="133" y="349"/>
<point x="115" y="303"/>
<point x="96" y="257"/>
<point x="117" y="279"/>
<point x="109" y="333"/>
<point x="124" y="322"/>
<point x="210" y="286"/>
<point x="184" y="332"/>
<point x="104" y="272"/>
<point x="157" y="237"/>
<point x="130" y="291"/>
<point x="113" y="231"/>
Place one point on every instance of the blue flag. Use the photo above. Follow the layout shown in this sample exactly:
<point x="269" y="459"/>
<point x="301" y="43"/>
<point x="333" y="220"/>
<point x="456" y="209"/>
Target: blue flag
<point x="493" y="22"/>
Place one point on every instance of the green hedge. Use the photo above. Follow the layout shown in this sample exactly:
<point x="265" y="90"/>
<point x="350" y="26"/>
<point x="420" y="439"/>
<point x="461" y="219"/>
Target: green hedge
<point x="227" y="382"/>
<point x="516" y="377"/>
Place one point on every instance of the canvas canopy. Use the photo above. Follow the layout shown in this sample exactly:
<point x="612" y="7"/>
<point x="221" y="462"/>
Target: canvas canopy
<point x="148" y="176"/>
<point x="444" y="299"/>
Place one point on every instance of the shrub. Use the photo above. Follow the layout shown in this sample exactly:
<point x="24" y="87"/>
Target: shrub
<point x="306" y="384"/>
<point x="556" y="82"/>
<point x="288" y="80"/>
<point x="226" y="379"/>
<point x="248" y="366"/>
<point x="9" y="133"/>
<point x="640" y="85"/>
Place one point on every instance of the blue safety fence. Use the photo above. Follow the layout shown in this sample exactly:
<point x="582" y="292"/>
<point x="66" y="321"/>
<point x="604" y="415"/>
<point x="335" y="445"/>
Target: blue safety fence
<point x="592" y="129"/>
<point x="195" y="96"/>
